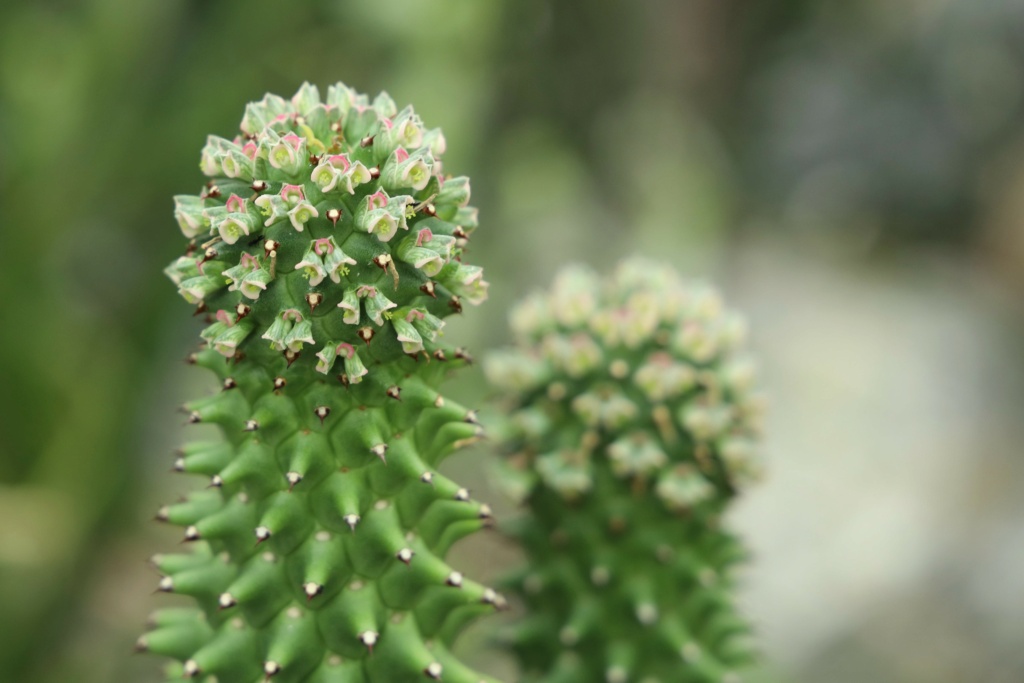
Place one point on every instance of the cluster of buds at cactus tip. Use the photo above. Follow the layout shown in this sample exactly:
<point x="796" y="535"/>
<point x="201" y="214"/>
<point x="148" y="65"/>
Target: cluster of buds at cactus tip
<point x="631" y="427"/>
<point x="325" y="252"/>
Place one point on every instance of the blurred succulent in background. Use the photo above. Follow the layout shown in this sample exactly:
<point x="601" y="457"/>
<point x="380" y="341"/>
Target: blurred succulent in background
<point x="631" y="429"/>
<point x="325" y="251"/>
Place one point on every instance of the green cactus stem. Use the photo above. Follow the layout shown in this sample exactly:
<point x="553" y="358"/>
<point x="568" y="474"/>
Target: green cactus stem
<point x="631" y="429"/>
<point x="325" y="251"/>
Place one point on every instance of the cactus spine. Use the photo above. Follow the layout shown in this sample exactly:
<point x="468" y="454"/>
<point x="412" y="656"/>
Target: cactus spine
<point x="324" y="251"/>
<point x="631" y="429"/>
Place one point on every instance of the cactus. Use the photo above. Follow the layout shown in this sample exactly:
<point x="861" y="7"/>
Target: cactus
<point x="324" y="251"/>
<point x="631" y="429"/>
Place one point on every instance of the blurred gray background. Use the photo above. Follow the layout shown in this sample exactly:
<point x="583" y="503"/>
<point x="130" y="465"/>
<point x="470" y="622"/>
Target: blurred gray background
<point x="850" y="172"/>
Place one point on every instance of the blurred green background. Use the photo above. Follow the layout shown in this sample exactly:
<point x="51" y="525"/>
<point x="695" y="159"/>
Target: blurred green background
<point x="851" y="172"/>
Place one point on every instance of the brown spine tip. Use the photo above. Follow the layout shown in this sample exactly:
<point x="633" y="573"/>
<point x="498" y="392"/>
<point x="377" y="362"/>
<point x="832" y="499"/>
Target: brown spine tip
<point x="262" y="533"/>
<point x="375" y="172"/>
<point x="433" y="671"/>
<point x="459" y="233"/>
<point x="280" y="383"/>
<point x="258" y="186"/>
<point x="200" y="309"/>
<point x="463" y="354"/>
<point x="208" y="255"/>
<point x="229" y="383"/>
<point x="242" y="310"/>
<point x="366" y="334"/>
<point x="394" y="392"/>
<point x="454" y="580"/>
<point x="291" y="356"/>
<point x="351" y="520"/>
<point x="322" y="412"/>
<point x="312" y="589"/>
<point x="439" y="355"/>
<point x="226" y="601"/>
<point x="192" y="534"/>
<point x="334" y="215"/>
<point x="427" y="478"/>
<point x="405" y="556"/>
<point x="314" y="299"/>
<point x="271" y="669"/>
<point x="455" y="303"/>
<point x="251" y="426"/>
<point x="367" y="141"/>
<point x="428" y="288"/>
<point x="462" y="495"/>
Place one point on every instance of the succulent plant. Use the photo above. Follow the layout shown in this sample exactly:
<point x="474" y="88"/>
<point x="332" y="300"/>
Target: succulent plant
<point x="631" y="428"/>
<point x="324" y="251"/>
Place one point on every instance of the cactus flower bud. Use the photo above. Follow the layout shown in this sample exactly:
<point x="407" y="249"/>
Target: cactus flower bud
<point x="236" y="164"/>
<point x="182" y="269"/>
<point x="196" y="289"/>
<point x="382" y="215"/>
<point x="302" y="213"/>
<point x="350" y="307"/>
<point x="189" y="210"/>
<point x="226" y="343"/>
<point x="312" y="266"/>
<point x="402" y="171"/>
<point x="305" y="99"/>
<point x="210" y="158"/>
<point x="254" y="283"/>
<point x="430" y="262"/>
<point x="327" y="174"/>
<point x="426" y="323"/>
<point x="454" y="191"/>
<point x="434" y="141"/>
<point x="411" y="340"/>
<point x="326" y="357"/>
<point x="467" y="282"/>
<point x="376" y="303"/>
<point x="301" y="333"/>
<point x="354" y="368"/>
<point x="280" y="328"/>
<point x="234" y="226"/>
<point x="336" y="262"/>
<point x="272" y="207"/>
<point x="287" y="153"/>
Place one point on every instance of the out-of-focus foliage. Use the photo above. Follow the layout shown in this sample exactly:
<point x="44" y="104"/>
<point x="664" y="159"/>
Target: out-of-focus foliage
<point x="850" y="170"/>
